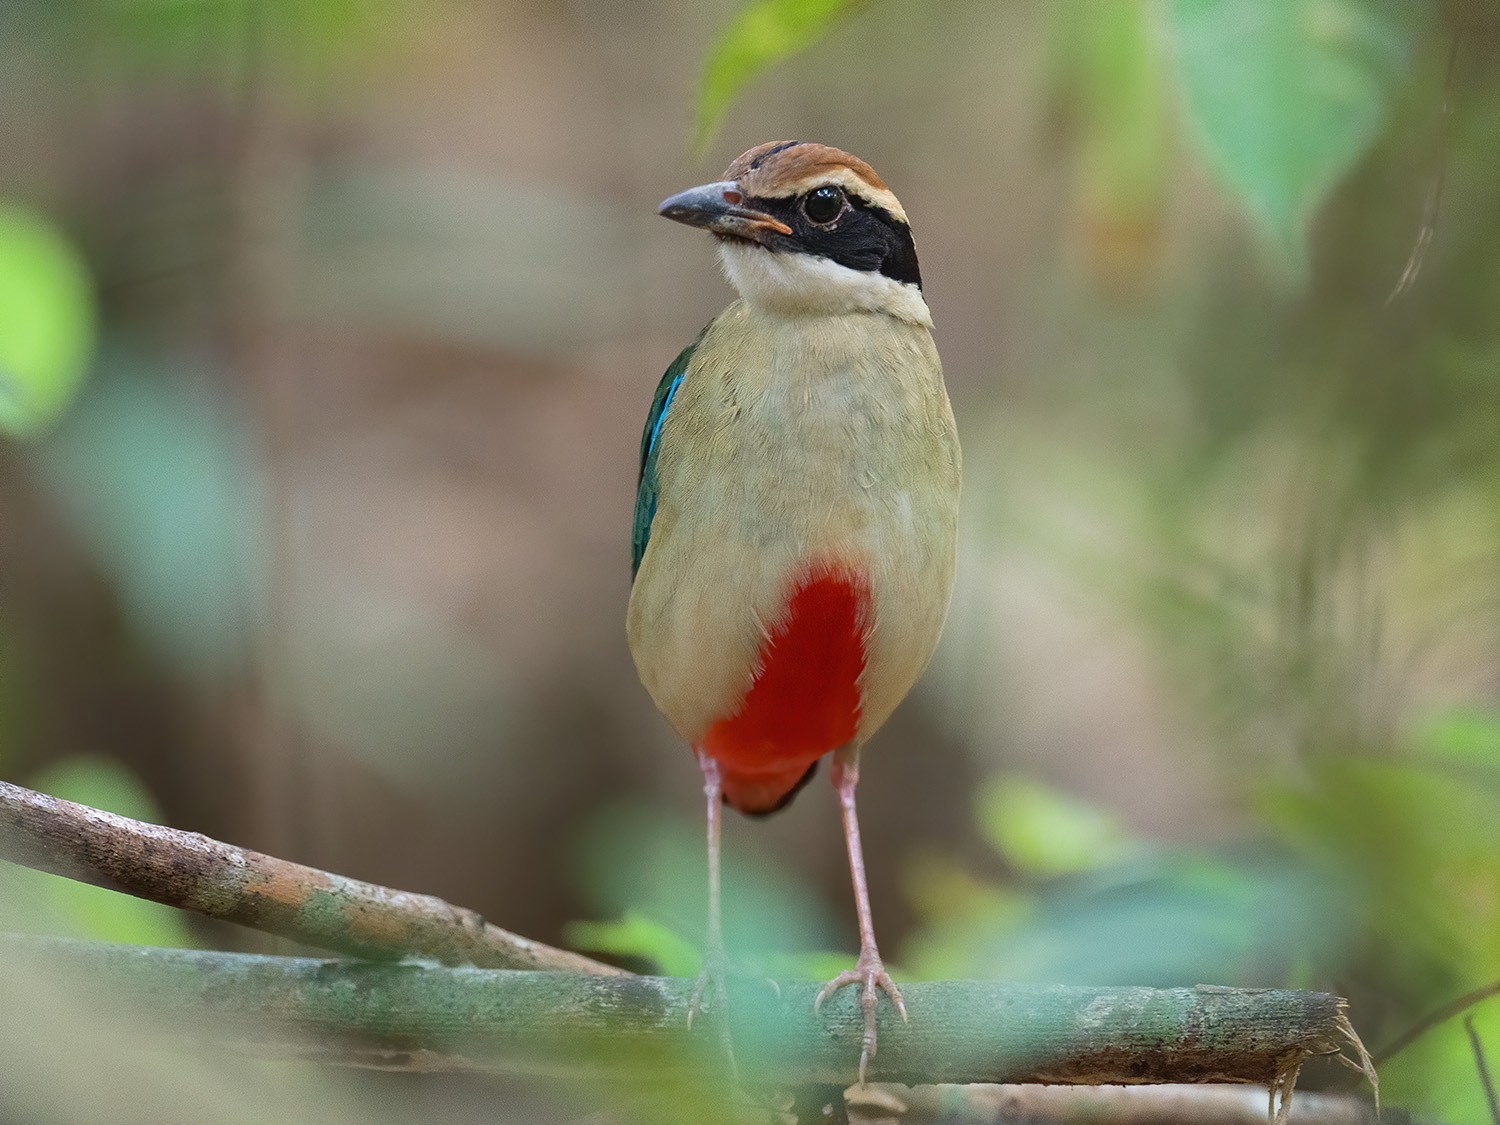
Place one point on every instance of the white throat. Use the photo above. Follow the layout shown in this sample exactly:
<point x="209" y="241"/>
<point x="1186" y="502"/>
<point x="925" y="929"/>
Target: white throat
<point x="804" y="284"/>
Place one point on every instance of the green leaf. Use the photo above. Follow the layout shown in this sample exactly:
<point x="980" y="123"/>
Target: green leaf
<point x="46" y="322"/>
<point x="37" y="902"/>
<point x="761" y="35"/>
<point x="1285" y="95"/>
<point x="638" y="935"/>
<point x="1045" y="833"/>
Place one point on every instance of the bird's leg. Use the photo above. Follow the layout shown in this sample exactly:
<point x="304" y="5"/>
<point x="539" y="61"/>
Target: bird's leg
<point x="715" y="964"/>
<point x="869" y="971"/>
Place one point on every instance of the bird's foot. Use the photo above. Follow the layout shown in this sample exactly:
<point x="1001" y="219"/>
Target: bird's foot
<point x="710" y="986"/>
<point x="868" y="972"/>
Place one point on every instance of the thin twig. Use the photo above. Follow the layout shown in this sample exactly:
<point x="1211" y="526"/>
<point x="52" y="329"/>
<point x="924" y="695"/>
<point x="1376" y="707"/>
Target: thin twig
<point x="193" y="872"/>
<point x="1432" y="1019"/>
<point x="1434" y="199"/>
<point x="1484" y="1070"/>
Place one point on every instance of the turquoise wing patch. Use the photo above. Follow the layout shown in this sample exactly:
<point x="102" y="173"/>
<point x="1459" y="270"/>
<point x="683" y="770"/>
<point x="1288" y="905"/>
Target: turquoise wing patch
<point x="646" y="486"/>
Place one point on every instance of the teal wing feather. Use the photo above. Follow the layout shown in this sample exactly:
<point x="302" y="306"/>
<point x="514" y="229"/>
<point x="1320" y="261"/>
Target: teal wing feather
<point x="646" y="486"/>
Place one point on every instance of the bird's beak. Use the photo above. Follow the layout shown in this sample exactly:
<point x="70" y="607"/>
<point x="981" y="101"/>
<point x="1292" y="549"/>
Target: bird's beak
<point x="719" y="208"/>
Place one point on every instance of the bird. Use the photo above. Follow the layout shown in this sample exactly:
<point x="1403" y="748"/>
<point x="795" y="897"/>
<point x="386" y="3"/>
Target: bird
<point x="795" y="534"/>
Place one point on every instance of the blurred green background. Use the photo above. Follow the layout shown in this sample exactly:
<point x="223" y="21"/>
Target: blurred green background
<point x="327" y="328"/>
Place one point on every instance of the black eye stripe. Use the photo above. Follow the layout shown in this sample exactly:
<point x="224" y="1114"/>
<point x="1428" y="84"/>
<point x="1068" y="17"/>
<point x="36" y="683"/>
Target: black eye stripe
<point x="865" y="237"/>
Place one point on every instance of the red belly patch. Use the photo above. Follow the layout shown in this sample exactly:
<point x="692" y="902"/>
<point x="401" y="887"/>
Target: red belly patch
<point x="805" y="700"/>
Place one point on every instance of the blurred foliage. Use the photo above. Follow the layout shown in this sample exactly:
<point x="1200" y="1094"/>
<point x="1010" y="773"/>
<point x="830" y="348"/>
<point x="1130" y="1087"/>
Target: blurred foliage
<point x="1283" y="96"/>
<point x="1378" y="878"/>
<point x="1091" y="905"/>
<point x="1110" y="83"/>
<point x="34" y="902"/>
<point x="1439" y="1072"/>
<point x="1463" y="738"/>
<point x="1044" y="833"/>
<point x="156" y="472"/>
<point x="648" y="872"/>
<point x="46" y="322"/>
<point x="216" y="39"/>
<point x="639" y="937"/>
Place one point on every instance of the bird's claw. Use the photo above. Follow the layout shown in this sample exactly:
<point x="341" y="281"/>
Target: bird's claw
<point x="869" y="972"/>
<point x="711" y="980"/>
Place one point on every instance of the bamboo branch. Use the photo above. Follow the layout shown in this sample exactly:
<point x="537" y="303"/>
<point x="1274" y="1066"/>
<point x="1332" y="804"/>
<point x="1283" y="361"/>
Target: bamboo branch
<point x="193" y="872"/>
<point x="982" y="1104"/>
<point x="425" y="1017"/>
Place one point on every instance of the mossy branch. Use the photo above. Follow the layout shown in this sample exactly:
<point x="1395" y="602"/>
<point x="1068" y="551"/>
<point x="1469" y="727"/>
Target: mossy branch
<point x="432" y="1017"/>
<point x="466" y="1013"/>
<point x="983" y="1104"/>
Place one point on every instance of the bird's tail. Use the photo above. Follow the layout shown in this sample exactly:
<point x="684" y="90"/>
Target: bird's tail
<point x="761" y="794"/>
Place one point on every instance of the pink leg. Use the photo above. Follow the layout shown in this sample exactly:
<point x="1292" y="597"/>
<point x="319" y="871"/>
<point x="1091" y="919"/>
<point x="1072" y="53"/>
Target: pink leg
<point x="869" y="970"/>
<point x="715" y="964"/>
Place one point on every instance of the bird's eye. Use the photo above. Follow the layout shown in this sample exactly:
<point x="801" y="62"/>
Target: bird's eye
<point x="823" y="205"/>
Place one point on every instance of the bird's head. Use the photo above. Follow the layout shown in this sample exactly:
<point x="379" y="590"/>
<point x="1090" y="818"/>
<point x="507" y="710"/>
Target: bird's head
<point x="808" y="229"/>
